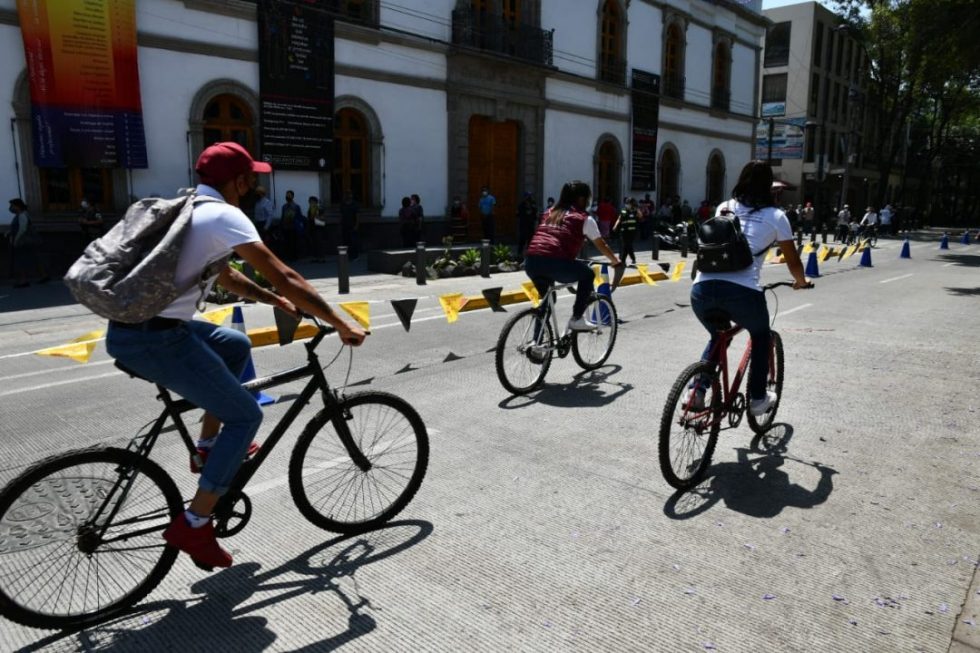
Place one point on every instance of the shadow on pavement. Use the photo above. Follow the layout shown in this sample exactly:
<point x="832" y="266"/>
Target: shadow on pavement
<point x="961" y="260"/>
<point x="589" y="388"/>
<point x="963" y="292"/>
<point x="755" y="486"/>
<point x="219" y="620"/>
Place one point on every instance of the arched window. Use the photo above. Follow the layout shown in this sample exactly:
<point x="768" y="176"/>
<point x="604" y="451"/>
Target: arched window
<point x="673" y="77"/>
<point x="609" y="162"/>
<point x="670" y="167"/>
<point x="351" y="157"/>
<point x="228" y="118"/>
<point x="612" y="65"/>
<point x="720" y="73"/>
<point x="715" y="192"/>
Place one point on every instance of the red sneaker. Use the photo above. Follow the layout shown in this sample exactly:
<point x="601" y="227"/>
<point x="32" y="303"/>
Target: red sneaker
<point x="253" y="449"/>
<point x="199" y="543"/>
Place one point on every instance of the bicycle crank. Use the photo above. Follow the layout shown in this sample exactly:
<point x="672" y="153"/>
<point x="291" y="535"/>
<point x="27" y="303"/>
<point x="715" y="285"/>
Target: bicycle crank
<point x="232" y="514"/>
<point x="736" y="411"/>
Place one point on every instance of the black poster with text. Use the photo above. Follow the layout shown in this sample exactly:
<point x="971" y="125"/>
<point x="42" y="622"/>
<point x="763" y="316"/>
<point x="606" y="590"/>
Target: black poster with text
<point x="646" y="116"/>
<point x="296" y="85"/>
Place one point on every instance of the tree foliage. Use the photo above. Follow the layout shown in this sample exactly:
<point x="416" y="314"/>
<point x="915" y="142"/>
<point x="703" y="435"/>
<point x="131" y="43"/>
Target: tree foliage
<point x="923" y="78"/>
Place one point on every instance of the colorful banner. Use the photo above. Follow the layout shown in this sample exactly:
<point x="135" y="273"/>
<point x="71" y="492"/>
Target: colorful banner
<point x="85" y="87"/>
<point x="787" y="138"/>
<point x="296" y="85"/>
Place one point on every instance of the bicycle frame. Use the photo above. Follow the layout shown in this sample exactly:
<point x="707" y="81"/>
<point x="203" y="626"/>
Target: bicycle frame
<point x="173" y="409"/>
<point x="719" y="354"/>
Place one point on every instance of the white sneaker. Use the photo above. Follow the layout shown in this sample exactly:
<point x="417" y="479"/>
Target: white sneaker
<point x="759" y="407"/>
<point x="581" y="324"/>
<point x="694" y="401"/>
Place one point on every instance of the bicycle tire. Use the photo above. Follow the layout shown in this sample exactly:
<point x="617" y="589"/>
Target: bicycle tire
<point x="15" y="524"/>
<point x="677" y="473"/>
<point x="602" y="312"/>
<point x="537" y="331"/>
<point x="774" y="382"/>
<point x="336" y="463"/>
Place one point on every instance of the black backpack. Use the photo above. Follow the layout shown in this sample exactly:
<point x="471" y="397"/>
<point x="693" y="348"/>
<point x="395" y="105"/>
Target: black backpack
<point x="722" y="247"/>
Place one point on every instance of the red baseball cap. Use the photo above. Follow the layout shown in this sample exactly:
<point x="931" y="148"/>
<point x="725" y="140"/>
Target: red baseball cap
<point x="222" y="162"/>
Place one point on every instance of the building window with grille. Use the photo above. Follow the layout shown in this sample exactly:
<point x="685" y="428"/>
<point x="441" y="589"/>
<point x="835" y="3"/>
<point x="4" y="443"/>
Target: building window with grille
<point x="351" y="154"/>
<point x="720" y="74"/>
<point x="612" y="65"/>
<point x="609" y="163"/>
<point x="673" y="77"/>
<point x="63" y="189"/>
<point x="228" y="118"/>
<point x="777" y="45"/>
<point x="774" y="88"/>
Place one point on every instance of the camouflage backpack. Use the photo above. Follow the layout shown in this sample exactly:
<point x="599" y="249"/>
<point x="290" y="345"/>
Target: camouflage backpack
<point x="129" y="274"/>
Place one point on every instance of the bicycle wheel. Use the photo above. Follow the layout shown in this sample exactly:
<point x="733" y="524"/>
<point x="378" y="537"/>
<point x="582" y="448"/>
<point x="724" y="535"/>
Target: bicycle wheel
<point x="524" y="351"/>
<point x="79" y="542"/>
<point x="591" y="348"/>
<point x="774" y="382"/>
<point x="331" y="490"/>
<point x="688" y="431"/>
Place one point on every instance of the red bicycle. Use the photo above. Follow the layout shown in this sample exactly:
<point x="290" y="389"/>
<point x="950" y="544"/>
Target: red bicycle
<point x="702" y="398"/>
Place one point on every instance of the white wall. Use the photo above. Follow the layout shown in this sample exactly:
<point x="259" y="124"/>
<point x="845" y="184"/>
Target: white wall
<point x="391" y="58"/>
<point x="12" y="55"/>
<point x="644" y="47"/>
<point x="172" y="18"/>
<point x="743" y="80"/>
<point x="414" y="122"/>
<point x="575" y="41"/>
<point x="571" y="141"/>
<point x="698" y="60"/>
<point x="585" y="95"/>
<point x="694" y="150"/>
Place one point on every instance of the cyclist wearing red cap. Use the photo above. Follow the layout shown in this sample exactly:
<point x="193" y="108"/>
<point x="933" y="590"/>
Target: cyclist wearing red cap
<point x="203" y="362"/>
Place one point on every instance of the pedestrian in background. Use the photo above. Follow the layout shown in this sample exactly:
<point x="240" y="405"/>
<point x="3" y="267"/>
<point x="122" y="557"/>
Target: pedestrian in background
<point x="290" y="223"/>
<point x="487" y="204"/>
<point x="25" y="243"/>
<point x="264" y="213"/>
<point x="419" y="214"/>
<point x="647" y="211"/>
<point x="606" y="216"/>
<point x="843" y="223"/>
<point x="807" y="216"/>
<point x="90" y="220"/>
<point x="459" y="219"/>
<point x="626" y="225"/>
<point x="349" y="225"/>
<point x="886" y="220"/>
<point x="316" y="224"/>
<point x="527" y="220"/>
<point x="406" y="218"/>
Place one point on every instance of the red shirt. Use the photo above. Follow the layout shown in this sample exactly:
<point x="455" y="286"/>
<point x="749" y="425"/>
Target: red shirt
<point x="606" y="212"/>
<point x="563" y="240"/>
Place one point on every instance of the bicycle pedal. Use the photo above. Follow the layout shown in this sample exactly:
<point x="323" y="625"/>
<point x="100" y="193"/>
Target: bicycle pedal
<point x="201" y="565"/>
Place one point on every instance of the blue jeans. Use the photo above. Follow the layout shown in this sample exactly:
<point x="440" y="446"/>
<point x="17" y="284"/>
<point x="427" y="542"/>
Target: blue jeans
<point x="202" y="363"/>
<point x="747" y="308"/>
<point x="544" y="271"/>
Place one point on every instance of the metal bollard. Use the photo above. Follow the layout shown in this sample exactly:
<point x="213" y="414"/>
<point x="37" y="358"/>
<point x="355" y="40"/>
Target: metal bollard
<point x="485" y="259"/>
<point x="823" y="236"/>
<point x="420" y="276"/>
<point x="655" y="247"/>
<point x="683" y="244"/>
<point x="813" y="235"/>
<point x="799" y="237"/>
<point x="343" y="270"/>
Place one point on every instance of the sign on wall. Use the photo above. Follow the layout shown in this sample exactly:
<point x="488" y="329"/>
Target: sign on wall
<point x="773" y="109"/>
<point x="296" y="85"/>
<point x="84" y="79"/>
<point x="787" y="139"/>
<point x="645" y="95"/>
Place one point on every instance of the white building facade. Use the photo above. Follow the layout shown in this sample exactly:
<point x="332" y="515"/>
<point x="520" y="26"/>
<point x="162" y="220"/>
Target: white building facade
<point x="438" y="98"/>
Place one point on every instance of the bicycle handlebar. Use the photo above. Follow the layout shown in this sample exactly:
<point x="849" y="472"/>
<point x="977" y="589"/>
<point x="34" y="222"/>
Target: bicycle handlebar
<point x="790" y="284"/>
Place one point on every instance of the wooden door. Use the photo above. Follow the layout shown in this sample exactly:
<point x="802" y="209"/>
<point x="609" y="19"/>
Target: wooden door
<point x="493" y="162"/>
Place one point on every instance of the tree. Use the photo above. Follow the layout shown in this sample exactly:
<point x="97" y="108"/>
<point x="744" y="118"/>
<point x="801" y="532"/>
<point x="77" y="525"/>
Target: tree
<point x="923" y="72"/>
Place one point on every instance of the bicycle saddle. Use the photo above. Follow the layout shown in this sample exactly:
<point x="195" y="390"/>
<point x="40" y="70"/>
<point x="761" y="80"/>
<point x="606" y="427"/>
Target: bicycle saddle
<point x="718" y="318"/>
<point x="131" y="372"/>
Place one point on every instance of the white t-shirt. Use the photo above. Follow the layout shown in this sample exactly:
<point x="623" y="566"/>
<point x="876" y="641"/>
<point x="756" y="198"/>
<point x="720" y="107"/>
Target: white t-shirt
<point x="886" y="216"/>
<point x="216" y="228"/>
<point x="762" y="228"/>
<point x="591" y="229"/>
<point x="870" y="219"/>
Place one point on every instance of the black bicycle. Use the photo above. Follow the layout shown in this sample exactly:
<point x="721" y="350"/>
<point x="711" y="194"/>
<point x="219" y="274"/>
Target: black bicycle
<point x="81" y="532"/>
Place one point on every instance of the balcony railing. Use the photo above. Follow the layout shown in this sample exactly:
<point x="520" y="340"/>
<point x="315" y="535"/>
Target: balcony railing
<point x="720" y="98"/>
<point x="493" y="33"/>
<point x="612" y="70"/>
<point x="673" y="86"/>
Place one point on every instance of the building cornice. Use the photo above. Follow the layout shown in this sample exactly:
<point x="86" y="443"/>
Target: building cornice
<point x="750" y="16"/>
<point x="700" y="131"/>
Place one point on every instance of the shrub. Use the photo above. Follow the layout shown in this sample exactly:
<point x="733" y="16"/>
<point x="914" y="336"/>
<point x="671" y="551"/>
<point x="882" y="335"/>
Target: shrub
<point x="470" y="258"/>
<point x="500" y="253"/>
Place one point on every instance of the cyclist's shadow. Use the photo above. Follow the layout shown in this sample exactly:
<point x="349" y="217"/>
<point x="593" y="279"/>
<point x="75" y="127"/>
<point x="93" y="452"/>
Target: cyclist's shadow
<point x="759" y="486"/>
<point x="589" y="388"/>
<point x="220" y="620"/>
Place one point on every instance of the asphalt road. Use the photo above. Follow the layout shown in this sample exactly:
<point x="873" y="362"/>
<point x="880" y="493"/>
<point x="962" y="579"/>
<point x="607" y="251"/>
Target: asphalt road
<point x="543" y="523"/>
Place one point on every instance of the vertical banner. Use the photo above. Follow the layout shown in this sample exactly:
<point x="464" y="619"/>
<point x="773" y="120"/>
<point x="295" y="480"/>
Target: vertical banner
<point x="296" y="85"/>
<point x="85" y="87"/>
<point x="645" y="97"/>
